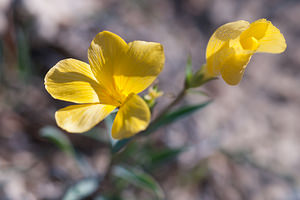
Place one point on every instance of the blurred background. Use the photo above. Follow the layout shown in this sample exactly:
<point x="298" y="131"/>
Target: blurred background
<point x="245" y="145"/>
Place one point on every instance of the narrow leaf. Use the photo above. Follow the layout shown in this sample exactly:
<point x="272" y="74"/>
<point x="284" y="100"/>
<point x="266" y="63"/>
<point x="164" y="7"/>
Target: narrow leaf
<point x="109" y="120"/>
<point x="165" y="155"/>
<point x="175" y="115"/>
<point x="2" y="75"/>
<point x="82" y="189"/>
<point x="119" y="144"/>
<point x="188" y="70"/>
<point x="97" y="133"/>
<point x="23" y="54"/>
<point x="58" y="138"/>
<point x="203" y="93"/>
<point x="140" y="179"/>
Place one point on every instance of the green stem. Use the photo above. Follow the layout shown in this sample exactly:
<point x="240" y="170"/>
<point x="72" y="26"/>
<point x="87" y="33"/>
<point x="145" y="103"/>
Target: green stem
<point x="172" y="104"/>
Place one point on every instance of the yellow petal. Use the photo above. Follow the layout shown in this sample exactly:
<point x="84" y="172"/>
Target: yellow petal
<point x="218" y="48"/>
<point x="124" y="68"/>
<point x="72" y="80"/>
<point x="233" y="69"/>
<point x="250" y="43"/>
<point x="217" y="60"/>
<point x="133" y="116"/>
<point x="140" y="66"/>
<point x="81" y="118"/>
<point x="105" y="55"/>
<point x="269" y="38"/>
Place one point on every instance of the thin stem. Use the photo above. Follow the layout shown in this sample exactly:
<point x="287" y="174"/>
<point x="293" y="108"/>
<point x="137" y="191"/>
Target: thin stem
<point x="106" y="177"/>
<point x="173" y="103"/>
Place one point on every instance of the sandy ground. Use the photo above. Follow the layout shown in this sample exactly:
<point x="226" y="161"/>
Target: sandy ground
<point x="248" y="137"/>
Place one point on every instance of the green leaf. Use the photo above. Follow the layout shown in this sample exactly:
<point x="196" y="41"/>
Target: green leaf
<point x="24" y="61"/>
<point x="162" y="121"/>
<point x="119" y="144"/>
<point x="151" y="157"/>
<point x="2" y="75"/>
<point x="188" y="70"/>
<point x="165" y="155"/>
<point x="97" y="133"/>
<point x="82" y="189"/>
<point x="58" y="138"/>
<point x="109" y="120"/>
<point x="202" y="93"/>
<point x="175" y="115"/>
<point x="140" y="179"/>
<point x="199" y="78"/>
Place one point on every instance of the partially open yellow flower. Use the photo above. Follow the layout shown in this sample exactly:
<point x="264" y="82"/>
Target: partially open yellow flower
<point x="232" y="45"/>
<point x="153" y="93"/>
<point x="117" y="72"/>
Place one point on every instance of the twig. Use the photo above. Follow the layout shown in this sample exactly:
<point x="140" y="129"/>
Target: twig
<point x="172" y="104"/>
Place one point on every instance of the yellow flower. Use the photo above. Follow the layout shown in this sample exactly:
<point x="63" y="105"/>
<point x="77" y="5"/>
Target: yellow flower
<point x="232" y="45"/>
<point x="117" y="72"/>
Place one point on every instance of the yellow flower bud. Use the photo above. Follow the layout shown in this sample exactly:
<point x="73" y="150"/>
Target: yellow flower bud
<point x="231" y="46"/>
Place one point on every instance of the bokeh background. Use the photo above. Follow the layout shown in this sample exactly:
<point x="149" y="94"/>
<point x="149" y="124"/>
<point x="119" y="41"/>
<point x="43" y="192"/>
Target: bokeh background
<point x="245" y="145"/>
